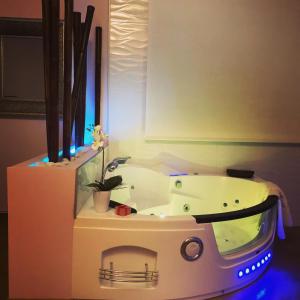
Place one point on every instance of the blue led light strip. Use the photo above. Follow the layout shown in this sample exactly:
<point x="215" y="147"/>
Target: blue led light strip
<point x="73" y="151"/>
<point x="255" y="265"/>
<point x="178" y="174"/>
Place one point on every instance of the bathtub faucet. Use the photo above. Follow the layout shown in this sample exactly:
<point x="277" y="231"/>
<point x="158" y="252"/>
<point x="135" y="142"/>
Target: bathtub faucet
<point x="111" y="166"/>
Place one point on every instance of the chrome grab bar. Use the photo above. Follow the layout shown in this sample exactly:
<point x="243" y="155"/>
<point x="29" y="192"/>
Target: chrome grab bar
<point x="128" y="276"/>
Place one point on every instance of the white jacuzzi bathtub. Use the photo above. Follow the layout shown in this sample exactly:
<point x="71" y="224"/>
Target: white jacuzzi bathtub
<point x="193" y="237"/>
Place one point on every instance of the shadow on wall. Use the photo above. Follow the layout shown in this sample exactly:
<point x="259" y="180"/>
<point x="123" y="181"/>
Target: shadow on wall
<point x="20" y="140"/>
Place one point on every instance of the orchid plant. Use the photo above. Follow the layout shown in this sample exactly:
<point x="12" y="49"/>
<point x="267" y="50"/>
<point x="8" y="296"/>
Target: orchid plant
<point x="100" y="139"/>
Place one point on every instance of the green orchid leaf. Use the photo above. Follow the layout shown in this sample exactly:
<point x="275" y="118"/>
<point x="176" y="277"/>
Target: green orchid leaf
<point x="94" y="185"/>
<point x="112" y="182"/>
<point x="108" y="184"/>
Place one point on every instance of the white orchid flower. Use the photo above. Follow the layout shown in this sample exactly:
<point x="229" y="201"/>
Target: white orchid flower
<point x="97" y="128"/>
<point x="99" y="137"/>
<point x="97" y="145"/>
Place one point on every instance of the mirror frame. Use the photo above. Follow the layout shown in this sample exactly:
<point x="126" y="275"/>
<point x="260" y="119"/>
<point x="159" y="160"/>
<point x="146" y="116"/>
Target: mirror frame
<point x="20" y="108"/>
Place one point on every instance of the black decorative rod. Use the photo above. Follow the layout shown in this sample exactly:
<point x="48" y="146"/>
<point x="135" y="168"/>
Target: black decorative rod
<point x="50" y="11"/>
<point x="77" y="39"/>
<point x="83" y="47"/>
<point x="80" y="112"/>
<point x="98" y="55"/>
<point x="46" y="59"/>
<point x="67" y="112"/>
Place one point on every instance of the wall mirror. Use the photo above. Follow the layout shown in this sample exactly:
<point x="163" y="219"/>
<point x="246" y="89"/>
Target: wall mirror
<point x="22" y="68"/>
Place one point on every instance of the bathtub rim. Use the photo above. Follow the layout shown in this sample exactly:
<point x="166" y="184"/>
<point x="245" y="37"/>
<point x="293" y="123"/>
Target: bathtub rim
<point x="89" y="217"/>
<point x="265" y="205"/>
<point x="262" y="206"/>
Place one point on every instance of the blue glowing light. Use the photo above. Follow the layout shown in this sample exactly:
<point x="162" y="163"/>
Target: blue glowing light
<point x="261" y="294"/>
<point x="45" y="159"/>
<point x="178" y="174"/>
<point x="254" y="266"/>
<point x="90" y="112"/>
<point x="73" y="150"/>
<point x="276" y="284"/>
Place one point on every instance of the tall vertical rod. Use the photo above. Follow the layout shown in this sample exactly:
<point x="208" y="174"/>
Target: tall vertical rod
<point x="51" y="66"/>
<point x="67" y="113"/>
<point x="46" y="59"/>
<point x="98" y="55"/>
<point x="83" y="47"/>
<point x="76" y="39"/>
<point x="54" y="81"/>
<point x="80" y="112"/>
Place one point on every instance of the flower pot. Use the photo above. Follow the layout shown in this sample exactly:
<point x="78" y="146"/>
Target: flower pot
<point x="101" y="201"/>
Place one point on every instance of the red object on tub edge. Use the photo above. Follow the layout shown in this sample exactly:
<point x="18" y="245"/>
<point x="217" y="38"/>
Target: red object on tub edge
<point x="122" y="210"/>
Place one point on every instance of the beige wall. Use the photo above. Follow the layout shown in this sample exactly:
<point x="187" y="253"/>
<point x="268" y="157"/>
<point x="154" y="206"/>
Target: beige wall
<point x="24" y="139"/>
<point x="21" y="9"/>
<point x="231" y="56"/>
<point x="127" y="99"/>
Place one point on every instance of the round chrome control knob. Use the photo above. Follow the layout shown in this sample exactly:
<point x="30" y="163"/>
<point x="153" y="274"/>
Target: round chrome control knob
<point x="191" y="249"/>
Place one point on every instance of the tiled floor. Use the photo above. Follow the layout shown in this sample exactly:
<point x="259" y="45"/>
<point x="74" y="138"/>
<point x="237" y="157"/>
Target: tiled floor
<point x="280" y="282"/>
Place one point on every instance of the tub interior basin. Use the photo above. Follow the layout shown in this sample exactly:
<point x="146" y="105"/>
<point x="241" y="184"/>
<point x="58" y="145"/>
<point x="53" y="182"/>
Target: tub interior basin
<point x="153" y="193"/>
<point x="156" y="194"/>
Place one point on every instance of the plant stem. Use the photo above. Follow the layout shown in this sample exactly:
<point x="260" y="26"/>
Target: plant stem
<point x="102" y="177"/>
